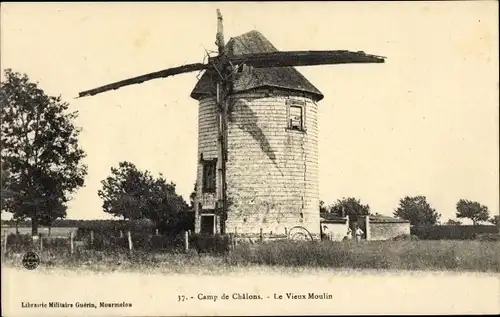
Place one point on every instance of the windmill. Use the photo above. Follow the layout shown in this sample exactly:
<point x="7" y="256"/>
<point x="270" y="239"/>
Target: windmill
<point x="224" y="68"/>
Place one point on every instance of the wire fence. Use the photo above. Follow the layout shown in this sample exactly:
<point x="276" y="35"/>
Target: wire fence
<point x="118" y="241"/>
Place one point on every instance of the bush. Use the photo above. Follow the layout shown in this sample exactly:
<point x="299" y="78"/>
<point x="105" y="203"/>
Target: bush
<point x="170" y="243"/>
<point x="177" y="224"/>
<point x="452" y="232"/>
<point x="218" y="244"/>
<point x="19" y="242"/>
<point x="405" y="237"/>
<point x="140" y="240"/>
<point x="488" y="237"/>
<point x="56" y="243"/>
<point x="24" y="242"/>
<point x="143" y="241"/>
<point x="103" y="241"/>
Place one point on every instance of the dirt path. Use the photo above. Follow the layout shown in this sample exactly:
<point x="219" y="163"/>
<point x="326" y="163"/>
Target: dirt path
<point x="365" y="292"/>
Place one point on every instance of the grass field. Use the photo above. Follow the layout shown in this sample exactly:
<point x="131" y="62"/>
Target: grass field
<point x="478" y="256"/>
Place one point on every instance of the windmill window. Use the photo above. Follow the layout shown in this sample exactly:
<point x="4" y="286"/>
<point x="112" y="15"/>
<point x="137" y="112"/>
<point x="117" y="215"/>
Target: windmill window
<point x="209" y="176"/>
<point x="296" y="117"/>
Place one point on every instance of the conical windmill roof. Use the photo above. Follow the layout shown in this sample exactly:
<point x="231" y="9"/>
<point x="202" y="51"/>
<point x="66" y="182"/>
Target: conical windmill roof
<point x="280" y="77"/>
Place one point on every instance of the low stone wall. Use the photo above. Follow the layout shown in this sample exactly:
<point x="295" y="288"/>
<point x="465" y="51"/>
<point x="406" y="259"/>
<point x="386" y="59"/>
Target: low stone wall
<point x="266" y="237"/>
<point x="388" y="230"/>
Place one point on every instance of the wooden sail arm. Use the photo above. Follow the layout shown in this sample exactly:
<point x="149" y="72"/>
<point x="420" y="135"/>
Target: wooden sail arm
<point x="304" y="58"/>
<point x="140" y="79"/>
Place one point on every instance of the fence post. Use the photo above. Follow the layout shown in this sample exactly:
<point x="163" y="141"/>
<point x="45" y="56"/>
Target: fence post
<point x="5" y="241"/>
<point x="130" y="246"/>
<point x="235" y="237"/>
<point x="41" y="242"/>
<point x="71" y="242"/>
<point x="367" y="227"/>
<point x="186" y="241"/>
<point x="348" y="226"/>
<point x="91" y="237"/>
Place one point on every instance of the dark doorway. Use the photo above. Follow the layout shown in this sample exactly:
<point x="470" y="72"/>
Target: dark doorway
<point x="207" y="223"/>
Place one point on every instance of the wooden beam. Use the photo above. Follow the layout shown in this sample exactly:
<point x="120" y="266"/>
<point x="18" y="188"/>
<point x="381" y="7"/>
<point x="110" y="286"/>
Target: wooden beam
<point x="304" y="58"/>
<point x="140" y="79"/>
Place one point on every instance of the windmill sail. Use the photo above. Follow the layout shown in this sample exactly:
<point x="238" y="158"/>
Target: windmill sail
<point x="304" y="58"/>
<point x="259" y="60"/>
<point x="140" y="79"/>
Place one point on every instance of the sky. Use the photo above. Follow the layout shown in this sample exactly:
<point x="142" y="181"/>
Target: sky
<point x="424" y="123"/>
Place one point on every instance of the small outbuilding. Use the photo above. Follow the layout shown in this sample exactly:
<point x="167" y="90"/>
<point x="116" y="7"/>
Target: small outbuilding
<point x="375" y="227"/>
<point x="333" y="227"/>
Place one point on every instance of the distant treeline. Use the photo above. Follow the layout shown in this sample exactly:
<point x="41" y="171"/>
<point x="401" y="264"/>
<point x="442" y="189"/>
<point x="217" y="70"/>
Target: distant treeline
<point x="184" y="221"/>
<point x="452" y="232"/>
<point x="70" y="223"/>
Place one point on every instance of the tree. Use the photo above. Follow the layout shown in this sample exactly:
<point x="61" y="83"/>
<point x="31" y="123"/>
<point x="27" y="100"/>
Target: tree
<point x="495" y="220"/>
<point x="322" y="207"/>
<point x="192" y="197"/>
<point x="164" y="206"/>
<point x="5" y="191"/>
<point x="55" y="210"/>
<point x="124" y="192"/>
<point x="472" y="210"/>
<point x="417" y="210"/>
<point x="351" y="207"/>
<point x="452" y="222"/>
<point x="134" y="194"/>
<point x="40" y="150"/>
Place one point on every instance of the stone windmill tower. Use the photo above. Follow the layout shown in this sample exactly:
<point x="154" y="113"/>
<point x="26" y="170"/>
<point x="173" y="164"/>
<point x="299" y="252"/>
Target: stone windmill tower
<point x="272" y="152"/>
<point x="258" y="136"/>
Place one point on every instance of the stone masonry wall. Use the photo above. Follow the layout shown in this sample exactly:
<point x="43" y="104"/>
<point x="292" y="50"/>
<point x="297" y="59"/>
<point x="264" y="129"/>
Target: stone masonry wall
<point x="388" y="230"/>
<point x="272" y="172"/>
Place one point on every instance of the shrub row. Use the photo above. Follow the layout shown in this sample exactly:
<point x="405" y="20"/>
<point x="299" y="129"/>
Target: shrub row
<point x="21" y="242"/>
<point x="140" y="241"/>
<point x="101" y="242"/>
<point x="217" y="244"/>
<point x="146" y="241"/>
<point x="405" y="237"/>
<point x="92" y="224"/>
<point x="184" y="219"/>
<point x="452" y="232"/>
<point x="111" y="241"/>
